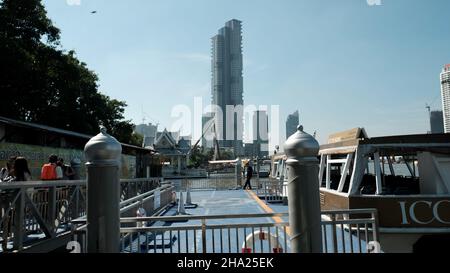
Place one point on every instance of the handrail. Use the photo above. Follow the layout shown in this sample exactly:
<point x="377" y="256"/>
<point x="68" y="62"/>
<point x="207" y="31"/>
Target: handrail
<point x="40" y="184"/>
<point x="240" y="216"/>
<point x="200" y="217"/>
<point x="352" y="211"/>
<point x="141" y="199"/>
<point x="60" y="183"/>
<point x="193" y="227"/>
<point x="229" y="216"/>
<point x="144" y="195"/>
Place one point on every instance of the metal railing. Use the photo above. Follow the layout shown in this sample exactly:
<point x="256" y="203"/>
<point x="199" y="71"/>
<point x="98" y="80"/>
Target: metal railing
<point x="248" y="233"/>
<point x="225" y="181"/>
<point x="347" y="231"/>
<point x="271" y="190"/>
<point x="350" y="231"/>
<point x="33" y="212"/>
<point x="214" y="182"/>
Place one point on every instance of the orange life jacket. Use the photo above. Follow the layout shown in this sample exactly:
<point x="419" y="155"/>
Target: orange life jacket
<point x="48" y="172"/>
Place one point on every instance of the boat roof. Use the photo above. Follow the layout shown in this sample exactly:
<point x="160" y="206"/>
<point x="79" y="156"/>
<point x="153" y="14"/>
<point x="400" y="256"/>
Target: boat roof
<point x="280" y="156"/>
<point x="224" y="161"/>
<point x="408" y="144"/>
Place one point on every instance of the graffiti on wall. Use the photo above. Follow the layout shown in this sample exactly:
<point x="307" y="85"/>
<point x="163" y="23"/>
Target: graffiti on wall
<point x="38" y="156"/>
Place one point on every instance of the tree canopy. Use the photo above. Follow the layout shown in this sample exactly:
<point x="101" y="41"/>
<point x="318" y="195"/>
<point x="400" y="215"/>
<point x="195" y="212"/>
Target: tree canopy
<point x="42" y="83"/>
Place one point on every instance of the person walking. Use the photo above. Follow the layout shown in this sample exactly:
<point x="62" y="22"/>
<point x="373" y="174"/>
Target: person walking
<point x="248" y="185"/>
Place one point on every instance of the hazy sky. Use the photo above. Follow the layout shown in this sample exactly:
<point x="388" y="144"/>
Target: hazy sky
<point x="342" y="64"/>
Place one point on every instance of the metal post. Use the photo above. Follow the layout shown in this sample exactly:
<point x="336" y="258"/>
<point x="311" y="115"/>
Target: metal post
<point x="51" y="207"/>
<point x="103" y="153"/>
<point x="238" y="171"/>
<point x="19" y="221"/>
<point x="257" y="172"/>
<point x="303" y="192"/>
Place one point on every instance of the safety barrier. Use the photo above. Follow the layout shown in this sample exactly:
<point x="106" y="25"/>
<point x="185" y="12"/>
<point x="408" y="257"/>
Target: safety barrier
<point x="347" y="231"/>
<point x="38" y="211"/>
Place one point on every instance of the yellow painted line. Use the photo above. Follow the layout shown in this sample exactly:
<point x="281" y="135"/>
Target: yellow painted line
<point x="267" y="209"/>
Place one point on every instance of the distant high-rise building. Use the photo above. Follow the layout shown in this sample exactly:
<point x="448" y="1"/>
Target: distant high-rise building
<point x="250" y="150"/>
<point x="292" y="123"/>
<point x="227" y="85"/>
<point x="437" y="122"/>
<point x="148" y="131"/>
<point x="261" y="133"/>
<point x="445" y="91"/>
<point x="208" y="130"/>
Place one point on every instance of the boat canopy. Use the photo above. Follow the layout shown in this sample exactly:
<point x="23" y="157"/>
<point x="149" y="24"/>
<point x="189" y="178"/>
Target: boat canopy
<point x="407" y="145"/>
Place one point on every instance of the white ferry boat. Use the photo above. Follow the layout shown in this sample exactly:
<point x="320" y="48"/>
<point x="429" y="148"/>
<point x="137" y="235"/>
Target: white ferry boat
<point x="406" y="178"/>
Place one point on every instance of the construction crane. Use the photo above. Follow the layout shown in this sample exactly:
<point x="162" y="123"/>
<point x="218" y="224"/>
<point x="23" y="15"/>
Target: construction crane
<point x="428" y="107"/>
<point x="216" y="142"/>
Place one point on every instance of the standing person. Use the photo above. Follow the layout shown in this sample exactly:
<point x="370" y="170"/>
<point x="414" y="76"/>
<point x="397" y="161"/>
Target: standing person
<point x="67" y="171"/>
<point x="248" y="184"/>
<point x="7" y="171"/>
<point x="21" y="170"/>
<point x="51" y="171"/>
<point x="5" y="201"/>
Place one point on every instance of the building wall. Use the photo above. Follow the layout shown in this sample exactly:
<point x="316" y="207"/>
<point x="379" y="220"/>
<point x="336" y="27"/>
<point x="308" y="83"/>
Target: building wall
<point x="437" y="122"/>
<point x="148" y="131"/>
<point x="38" y="156"/>
<point x="292" y="123"/>
<point x="261" y="133"/>
<point x="445" y="92"/>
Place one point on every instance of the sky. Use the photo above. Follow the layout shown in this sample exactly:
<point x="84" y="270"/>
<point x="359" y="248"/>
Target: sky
<point x="342" y="64"/>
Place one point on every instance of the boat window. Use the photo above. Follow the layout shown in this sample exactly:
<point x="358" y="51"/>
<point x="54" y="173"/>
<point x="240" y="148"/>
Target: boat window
<point x="399" y="176"/>
<point x="339" y="165"/>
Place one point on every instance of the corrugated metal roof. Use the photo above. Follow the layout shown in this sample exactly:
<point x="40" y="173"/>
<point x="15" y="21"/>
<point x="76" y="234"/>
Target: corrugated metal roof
<point x="41" y="127"/>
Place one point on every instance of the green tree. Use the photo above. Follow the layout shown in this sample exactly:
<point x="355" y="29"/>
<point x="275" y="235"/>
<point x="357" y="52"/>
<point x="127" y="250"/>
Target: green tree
<point x="42" y="83"/>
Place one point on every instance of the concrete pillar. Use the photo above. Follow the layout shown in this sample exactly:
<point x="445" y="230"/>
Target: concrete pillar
<point x="303" y="192"/>
<point x="179" y="165"/>
<point x="103" y="154"/>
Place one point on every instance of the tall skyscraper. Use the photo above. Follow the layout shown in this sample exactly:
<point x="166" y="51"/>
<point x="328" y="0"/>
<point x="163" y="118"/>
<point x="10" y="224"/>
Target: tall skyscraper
<point x="445" y="91"/>
<point x="292" y="123"/>
<point x="261" y="133"/>
<point x="437" y="122"/>
<point x="227" y="85"/>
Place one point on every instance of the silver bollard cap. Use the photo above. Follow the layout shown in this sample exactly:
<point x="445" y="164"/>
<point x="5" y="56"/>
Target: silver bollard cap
<point x="103" y="149"/>
<point x="301" y="145"/>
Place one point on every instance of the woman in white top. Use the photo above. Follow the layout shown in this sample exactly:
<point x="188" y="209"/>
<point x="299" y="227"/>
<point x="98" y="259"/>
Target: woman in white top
<point x="5" y="173"/>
